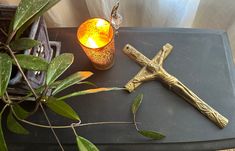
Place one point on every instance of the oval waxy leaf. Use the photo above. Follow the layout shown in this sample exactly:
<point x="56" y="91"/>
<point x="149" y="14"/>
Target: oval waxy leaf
<point x="57" y="66"/>
<point x="26" y="10"/>
<point x="88" y="83"/>
<point x="3" y="145"/>
<point x="36" y="16"/>
<point x="71" y="80"/>
<point x="40" y="89"/>
<point x="23" y="44"/>
<point x="89" y="91"/>
<point x="20" y="112"/>
<point x="61" y="108"/>
<point x="136" y="103"/>
<point x="5" y="72"/>
<point x="14" y="126"/>
<point x="85" y="145"/>
<point x="151" y="134"/>
<point x="31" y="62"/>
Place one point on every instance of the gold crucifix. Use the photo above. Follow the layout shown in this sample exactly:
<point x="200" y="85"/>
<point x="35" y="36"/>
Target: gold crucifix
<point x="153" y="69"/>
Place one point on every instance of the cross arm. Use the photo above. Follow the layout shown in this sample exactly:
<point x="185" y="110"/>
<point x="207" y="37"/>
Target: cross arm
<point x="144" y="74"/>
<point x="144" y="61"/>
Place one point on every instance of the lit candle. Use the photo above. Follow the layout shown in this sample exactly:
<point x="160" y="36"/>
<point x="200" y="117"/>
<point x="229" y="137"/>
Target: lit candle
<point x="96" y="38"/>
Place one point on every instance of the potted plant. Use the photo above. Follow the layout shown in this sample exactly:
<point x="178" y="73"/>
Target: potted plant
<point x="44" y="94"/>
<point x="37" y="31"/>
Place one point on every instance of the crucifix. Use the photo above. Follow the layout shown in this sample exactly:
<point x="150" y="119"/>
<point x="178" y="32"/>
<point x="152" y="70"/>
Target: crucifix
<point x="153" y="69"/>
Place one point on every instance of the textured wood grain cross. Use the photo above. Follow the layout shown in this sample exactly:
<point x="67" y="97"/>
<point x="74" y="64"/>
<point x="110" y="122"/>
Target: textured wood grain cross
<point x="153" y="69"/>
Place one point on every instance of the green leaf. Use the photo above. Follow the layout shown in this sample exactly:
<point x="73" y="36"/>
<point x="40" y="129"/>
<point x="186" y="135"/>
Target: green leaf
<point x="14" y="126"/>
<point x="5" y="72"/>
<point x="40" y="89"/>
<point x="26" y="10"/>
<point x="20" y="112"/>
<point x="61" y="108"/>
<point x="85" y="145"/>
<point x="57" y="66"/>
<point x="11" y="25"/>
<point x="55" y="84"/>
<point x="3" y="146"/>
<point x="31" y="62"/>
<point x="23" y="44"/>
<point x="35" y="17"/>
<point x="136" y="103"/>
<point x="89" y="91"/>
<point x="88" y="83"/>
<point x="71" y="80"/>
<point x="151" y="134"/>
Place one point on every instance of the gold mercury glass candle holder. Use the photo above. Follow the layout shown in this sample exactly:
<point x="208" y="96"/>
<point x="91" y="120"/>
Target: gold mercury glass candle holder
<point x="96" y="37"/>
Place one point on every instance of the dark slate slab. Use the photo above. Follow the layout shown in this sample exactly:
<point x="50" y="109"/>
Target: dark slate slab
<point x="201" y="59"/>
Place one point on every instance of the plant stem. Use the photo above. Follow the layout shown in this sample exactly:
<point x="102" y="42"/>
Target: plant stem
<point x="66" y="126"/>
<point x="134" y="119"/>
<point x="8" y="99"/>
<point x="20" y="99"/>
<point x="4" y="100"/>
<point x="2" y="47"/>
<point x="10" y="37"/>
<point x="35" y="108"/>
<point x="49" y="122"/>
<point x="102" y="123"/>
<point x="5" y="34"/>
<point x="38" y="103"/>
<point x="39" y="125"/>
<point x="4" y="108"/>
<point x="34" y="93"/>
<point x="21" y="71"/>
<point x="74" y="131"/>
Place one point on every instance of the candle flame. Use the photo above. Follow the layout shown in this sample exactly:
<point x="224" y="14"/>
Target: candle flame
<point x="92" y="43"/>
<point x="95" y="33"/>
<point x="100" y="23"/>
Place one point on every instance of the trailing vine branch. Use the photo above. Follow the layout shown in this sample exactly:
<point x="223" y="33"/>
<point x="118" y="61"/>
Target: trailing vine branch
<point x="49" y="122"/>
<point x="74" y="131"/>
<point x="21" y="71"/>
<point x="4" y="100"/>
<point x="10" y="37"/>
<point x="18" y="99"/>
<point x="35" y="94"/>
<point x="100" y="123"/>
<point x="134" y="119"/>
<point x="54" y="69"/>
<point x="67" y="126"/>
<point x="5" y="34"/>
<point x="4" y="108"/>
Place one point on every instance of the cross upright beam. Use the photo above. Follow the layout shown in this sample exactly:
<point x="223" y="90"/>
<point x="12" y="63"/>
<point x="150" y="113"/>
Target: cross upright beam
<point x="153" y="69"/>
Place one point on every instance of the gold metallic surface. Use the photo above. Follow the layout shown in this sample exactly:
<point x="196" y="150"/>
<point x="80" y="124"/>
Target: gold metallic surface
<point x="96" y="37"/>
<point x="153" y="69"/>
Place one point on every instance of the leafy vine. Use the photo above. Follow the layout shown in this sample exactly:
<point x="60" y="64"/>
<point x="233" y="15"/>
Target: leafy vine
<point x="27" y="12"/>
